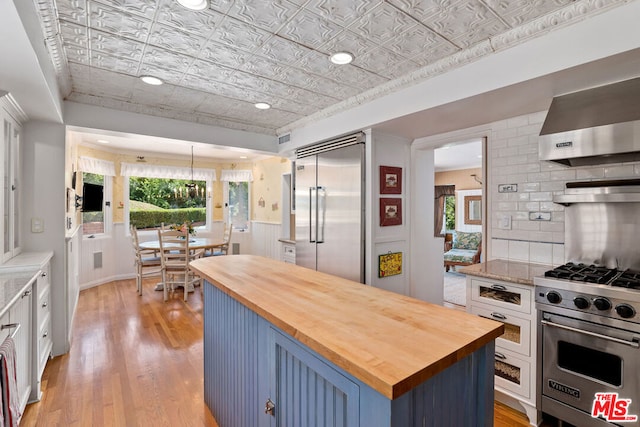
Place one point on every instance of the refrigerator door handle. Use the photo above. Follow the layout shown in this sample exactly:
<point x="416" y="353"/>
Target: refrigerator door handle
<point x="322" y="211"/>
<point x="312" y="210"/>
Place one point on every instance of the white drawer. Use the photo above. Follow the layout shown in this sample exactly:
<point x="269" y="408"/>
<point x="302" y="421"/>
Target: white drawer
<point x="504" y="295"/>
<point x="517" y="334"/>
<point x="512" y="374"/>
<point x="44" y="345"/>
<point x="289" y="250"/>
<point x="44" y="304"/>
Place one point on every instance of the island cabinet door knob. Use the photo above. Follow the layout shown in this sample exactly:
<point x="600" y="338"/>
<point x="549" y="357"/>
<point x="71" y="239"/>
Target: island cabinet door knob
<point x="270" y="407"/>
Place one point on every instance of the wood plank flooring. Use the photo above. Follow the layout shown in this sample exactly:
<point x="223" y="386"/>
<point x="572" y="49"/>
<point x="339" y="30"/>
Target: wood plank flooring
<point x="137" y="361"/>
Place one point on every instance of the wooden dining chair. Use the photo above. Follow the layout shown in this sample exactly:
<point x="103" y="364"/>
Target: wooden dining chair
<point x="147" y="262"/>
<point x="175" y="256"/>
<point x="224" y="248"/>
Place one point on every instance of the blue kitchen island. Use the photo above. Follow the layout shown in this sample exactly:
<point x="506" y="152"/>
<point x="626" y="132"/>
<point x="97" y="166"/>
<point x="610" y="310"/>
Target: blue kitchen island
<point x="289" y="346"/>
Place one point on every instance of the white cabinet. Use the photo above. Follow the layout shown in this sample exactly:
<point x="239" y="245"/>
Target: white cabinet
<point x="17" y="322"/>
<point x="11" y="115"/>
<point x="513" y="305"/>
<point x="42" y="341"/>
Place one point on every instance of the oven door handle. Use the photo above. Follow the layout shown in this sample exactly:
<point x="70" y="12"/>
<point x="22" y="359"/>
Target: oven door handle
<point x="633" y="344"/>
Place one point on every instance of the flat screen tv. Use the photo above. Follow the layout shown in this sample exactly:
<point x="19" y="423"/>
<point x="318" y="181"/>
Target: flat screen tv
<point x="91" y="197"/>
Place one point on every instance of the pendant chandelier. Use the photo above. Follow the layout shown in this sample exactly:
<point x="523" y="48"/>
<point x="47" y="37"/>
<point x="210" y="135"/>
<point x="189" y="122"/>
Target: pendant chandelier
<point x="192" y="187"/>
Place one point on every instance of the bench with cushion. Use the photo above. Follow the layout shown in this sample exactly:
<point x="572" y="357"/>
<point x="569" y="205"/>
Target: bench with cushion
<point x="465" y="249"/>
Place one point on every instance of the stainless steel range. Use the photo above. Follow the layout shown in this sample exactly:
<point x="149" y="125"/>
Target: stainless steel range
<point x="589" y="310"/>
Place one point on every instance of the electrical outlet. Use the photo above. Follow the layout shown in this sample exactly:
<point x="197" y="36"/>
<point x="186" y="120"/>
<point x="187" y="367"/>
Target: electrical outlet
<point x="37" y="225"/>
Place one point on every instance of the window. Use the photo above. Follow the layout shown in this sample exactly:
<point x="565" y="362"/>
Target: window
<point x="238" y="193"/>
<point x="449" y="213"/>
<point x="153" y="201"/>
<point x="94" y="222"/>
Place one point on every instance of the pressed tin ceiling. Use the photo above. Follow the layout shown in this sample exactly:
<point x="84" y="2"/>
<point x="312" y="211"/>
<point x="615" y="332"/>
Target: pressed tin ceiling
<point x="218" y="62"/>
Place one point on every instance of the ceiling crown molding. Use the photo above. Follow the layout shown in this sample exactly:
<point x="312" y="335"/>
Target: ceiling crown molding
<point x="53" y="42"/>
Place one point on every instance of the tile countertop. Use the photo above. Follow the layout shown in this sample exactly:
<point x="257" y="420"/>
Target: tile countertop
<point x="509" y="271"/>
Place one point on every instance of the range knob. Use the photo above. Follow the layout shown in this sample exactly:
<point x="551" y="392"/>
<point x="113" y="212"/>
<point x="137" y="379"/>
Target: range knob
<point x="625" y="311"/>
<point x="602" y="304"/>
<point x="554" y="297"/>
<point x="581" y="302"/>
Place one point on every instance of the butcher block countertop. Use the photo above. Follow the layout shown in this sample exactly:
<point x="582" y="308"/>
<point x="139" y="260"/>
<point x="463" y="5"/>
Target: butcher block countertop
<point x="389" y="341"/>
<point x="509" y="271"/>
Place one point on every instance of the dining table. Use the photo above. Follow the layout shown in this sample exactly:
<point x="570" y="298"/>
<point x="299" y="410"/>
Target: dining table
<point x="195" y="243"/>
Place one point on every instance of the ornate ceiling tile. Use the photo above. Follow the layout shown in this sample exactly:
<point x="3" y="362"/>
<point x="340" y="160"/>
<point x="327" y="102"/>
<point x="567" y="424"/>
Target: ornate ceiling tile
<point x="382" y="24"/>
<point x="422" y="9"/>
<point x="110" y="62"/>
<point x="146" y="8"/>
<point x="400" y="69"/>
<point x="119" y="23"/>
<point x="342" y="12"/>
<point x="309" y="29"/>
<point x="261" y="66"/>
<point x="214" y="105"/>
<point x="357" y="77"/>
<point x="74" y="34"/>
<point x="316" y="62"/>
<point x="176" y="40"/>
<point x="348" y="41"/>
<point x="77" y="54"/>
<point x="115" y="46"/>
<point x="149" y="96"/>
<point x="183" y="98"/>
<point x="420" y="41"/>
<point x="202" y="23"/>
<point x="301" y="108"/>
<point x="379" y="60"/>
<point x="157" y="57"/>
<point x="167" y="75"/>
<point x="520" y="12"/>
<point x="210" y="71"/>
<point x="72" y="11"/>
<point x="268" y="15"/>
<point x="283" y="50"/>
<point x="238" y="34"/>
<point x="223" y="54"/>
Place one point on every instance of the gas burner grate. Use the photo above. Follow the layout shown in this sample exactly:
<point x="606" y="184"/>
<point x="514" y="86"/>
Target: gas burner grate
<point x="628" y="279"/>
<point x="583" y="273"/>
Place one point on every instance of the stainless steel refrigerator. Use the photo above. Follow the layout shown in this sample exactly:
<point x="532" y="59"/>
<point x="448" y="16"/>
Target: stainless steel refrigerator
<point x="329" y="206"/>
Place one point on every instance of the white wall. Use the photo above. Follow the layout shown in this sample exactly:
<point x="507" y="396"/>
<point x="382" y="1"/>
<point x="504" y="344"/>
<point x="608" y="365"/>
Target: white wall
<point x="386" y="150"/>
<point x="43" y="196"/>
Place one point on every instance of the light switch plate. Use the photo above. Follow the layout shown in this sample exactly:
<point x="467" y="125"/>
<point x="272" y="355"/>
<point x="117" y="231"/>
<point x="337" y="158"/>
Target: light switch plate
<point x="37" y="225"/>
<point x="504" y="222"/>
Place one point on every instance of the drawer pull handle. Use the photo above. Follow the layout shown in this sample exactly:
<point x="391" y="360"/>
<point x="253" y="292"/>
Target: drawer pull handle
<point x="26" y="293"/>
<point x="498" y="316"/>
<point x="499" y="287"/>
<point x="45" y="304"/>
<point x="500" y="356"/>
<point x="44" y="274"/>
<point x="45" y="334"/>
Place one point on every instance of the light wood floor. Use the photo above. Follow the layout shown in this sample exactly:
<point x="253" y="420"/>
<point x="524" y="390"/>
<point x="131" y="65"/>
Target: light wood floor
<point x="137" y="361"/>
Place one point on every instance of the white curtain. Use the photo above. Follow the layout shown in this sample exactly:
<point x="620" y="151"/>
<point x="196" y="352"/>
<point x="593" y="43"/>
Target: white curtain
<point x="97" y="166"/>
<point x="232" y="175"/>
<point x="167" y="172"/>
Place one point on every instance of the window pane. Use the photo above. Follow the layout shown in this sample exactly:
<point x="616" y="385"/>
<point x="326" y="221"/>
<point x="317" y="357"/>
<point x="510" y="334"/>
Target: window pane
<point x="154" y="201"/>
<point x="93" y="222"/>
<point x="239" y="205"/>
<point x="450" y="213"/>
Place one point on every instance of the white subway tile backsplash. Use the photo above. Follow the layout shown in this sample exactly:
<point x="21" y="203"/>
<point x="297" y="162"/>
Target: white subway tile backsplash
<point x="500" y="248"/>
<point x="531" y="186"/>
<point x="530" y="129"/>
<point x="537" y="118"/>
<point x="563" y="175"/>
<point x="618" y="171"/>
<point x="558" y="254"/>
<point x="590" y="173"/>
<point x="551" y="226"/>
<point x="516" y="122"/>
<point x="519" y="141"/>
<point x="542" y="196"/>
<point x="505" y="133"/>
<point x="518" y="250"/>
<point x="529" y="206"/>
<point x="541" y="253"/>
<point x="552" y="186"/>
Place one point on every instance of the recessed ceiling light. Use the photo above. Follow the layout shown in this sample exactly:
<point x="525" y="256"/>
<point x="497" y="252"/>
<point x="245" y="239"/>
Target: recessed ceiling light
<point x="150" y="80"/>
<point x="103" y="141"/>
<point x="341" y="58"/>
<point x="243" y="157"/>
<point x="262" y="105"/>
<point x="194" y="4"/>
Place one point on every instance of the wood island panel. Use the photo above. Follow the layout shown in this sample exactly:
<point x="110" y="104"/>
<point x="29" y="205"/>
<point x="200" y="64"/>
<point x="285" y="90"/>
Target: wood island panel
<point x="389" y="341"/>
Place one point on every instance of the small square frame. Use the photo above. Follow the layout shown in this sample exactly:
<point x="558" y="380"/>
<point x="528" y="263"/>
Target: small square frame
<point x="390" y="180"/>
<point x="390" y="264"/>
<point x="390" y="211"/>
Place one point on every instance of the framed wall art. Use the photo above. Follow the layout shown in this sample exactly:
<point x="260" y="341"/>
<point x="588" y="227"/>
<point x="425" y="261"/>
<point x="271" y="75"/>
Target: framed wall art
<point x="390" y="211"/>
<point x="390" y="180"/>
<point x="390" y="264"/>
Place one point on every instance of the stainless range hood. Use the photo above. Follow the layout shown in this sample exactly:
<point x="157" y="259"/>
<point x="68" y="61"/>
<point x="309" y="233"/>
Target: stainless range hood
<point x="594" y="126"/>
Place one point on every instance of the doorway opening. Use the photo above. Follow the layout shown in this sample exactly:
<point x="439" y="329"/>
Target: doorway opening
<point x="458" y="168"/>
